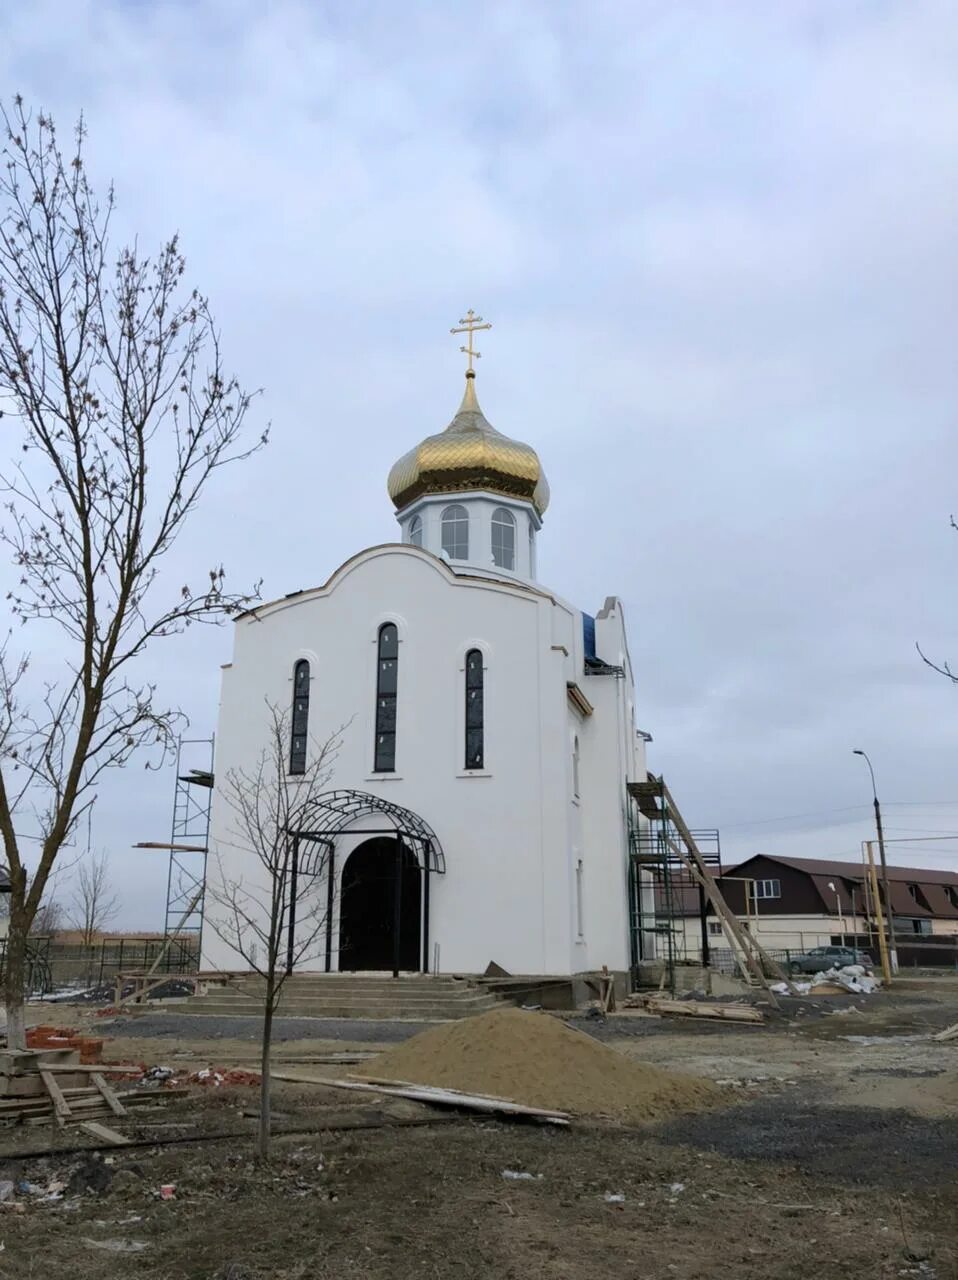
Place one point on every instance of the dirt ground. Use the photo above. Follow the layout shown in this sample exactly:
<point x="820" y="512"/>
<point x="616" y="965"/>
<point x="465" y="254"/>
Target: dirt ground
<point x="836" y="1156"/>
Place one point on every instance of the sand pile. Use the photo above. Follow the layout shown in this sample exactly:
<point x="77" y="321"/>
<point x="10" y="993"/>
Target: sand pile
<point x="535" y="1059"/>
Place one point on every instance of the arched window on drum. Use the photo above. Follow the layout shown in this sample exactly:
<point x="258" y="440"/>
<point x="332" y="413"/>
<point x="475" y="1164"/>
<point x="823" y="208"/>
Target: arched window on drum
<point x="504" y="539"/>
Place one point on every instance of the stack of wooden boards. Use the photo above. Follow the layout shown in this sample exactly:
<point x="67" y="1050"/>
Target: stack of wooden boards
<point x="38" y="1086"/>
<point x="663" y="1006"/>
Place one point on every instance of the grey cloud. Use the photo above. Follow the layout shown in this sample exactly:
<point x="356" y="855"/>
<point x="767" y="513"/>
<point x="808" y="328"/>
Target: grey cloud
<point x="717" y="247"/>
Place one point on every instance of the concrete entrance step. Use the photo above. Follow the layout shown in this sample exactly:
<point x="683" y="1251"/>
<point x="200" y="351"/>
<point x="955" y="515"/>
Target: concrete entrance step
<point x="372" y="1012"/>
<point x="417" y="997"/>
<point x="290" y="1001"/>
<point x="343" y="982"/>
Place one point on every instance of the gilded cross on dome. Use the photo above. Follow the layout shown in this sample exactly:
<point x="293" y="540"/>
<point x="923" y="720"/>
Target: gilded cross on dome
<point x="471" y="324"/>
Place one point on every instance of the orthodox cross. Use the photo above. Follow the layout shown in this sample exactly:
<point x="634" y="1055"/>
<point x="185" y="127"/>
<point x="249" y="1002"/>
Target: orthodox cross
<point x="470" y="325"/>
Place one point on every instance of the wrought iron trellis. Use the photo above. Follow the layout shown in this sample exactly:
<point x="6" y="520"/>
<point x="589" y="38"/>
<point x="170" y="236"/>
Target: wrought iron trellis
<point x="329" y="815"/>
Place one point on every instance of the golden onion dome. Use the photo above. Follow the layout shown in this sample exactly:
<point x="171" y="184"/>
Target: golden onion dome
<point x="470" y="454"/>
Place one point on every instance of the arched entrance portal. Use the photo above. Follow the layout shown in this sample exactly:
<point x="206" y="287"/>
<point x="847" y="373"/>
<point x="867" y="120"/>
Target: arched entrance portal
<point x="314" y="830"/>
<point x="375" y="910"/>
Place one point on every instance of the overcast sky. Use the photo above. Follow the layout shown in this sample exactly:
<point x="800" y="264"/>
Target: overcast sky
<point x="717" y="244"/>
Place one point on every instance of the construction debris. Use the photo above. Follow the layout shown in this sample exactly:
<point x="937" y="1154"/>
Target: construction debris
<point x="38" y="1086"/>
<point x="949" y="1033"/>
<point x="696" y="1009"/>
<point x="834" y="982"/>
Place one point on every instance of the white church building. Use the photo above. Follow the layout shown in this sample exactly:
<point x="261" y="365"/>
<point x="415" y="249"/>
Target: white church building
<point x="478" y="810"/>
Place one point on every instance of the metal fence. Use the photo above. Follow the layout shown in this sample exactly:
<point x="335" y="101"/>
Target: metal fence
<point x="926" y="955"/>
<point x="723" y="959"/>
<point x="911" y="955"/>
<point x="53" y="965"/>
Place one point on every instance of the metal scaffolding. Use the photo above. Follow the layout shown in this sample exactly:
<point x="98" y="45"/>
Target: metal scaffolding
<point x="666" y="899"/>
<point x="189" y="837"/>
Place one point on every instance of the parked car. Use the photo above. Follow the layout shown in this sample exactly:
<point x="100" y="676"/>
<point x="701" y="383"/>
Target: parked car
<point x="821" y="958"/>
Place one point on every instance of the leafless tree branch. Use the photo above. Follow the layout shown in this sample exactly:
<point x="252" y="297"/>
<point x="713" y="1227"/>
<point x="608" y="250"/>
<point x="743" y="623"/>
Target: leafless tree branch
<point x="250" y="910"/>
<point x="112" y="375"/>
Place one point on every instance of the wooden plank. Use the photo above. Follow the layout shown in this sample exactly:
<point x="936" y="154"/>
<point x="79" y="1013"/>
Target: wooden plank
<point x="433" y="1096"/>
<point x="60" y="1105"/>
<point x="698" y="1009"/>
<point x="194" y="903"/>
<point x="109" y="1097"/>
<point x="756" y="956"/>
<point x="176" y="848"/>
<point x="106" y="1135"/>
<point x="101" y="1068"/>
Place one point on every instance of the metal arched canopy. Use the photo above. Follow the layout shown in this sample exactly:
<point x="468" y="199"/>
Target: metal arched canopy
<point x="329" y="814"/>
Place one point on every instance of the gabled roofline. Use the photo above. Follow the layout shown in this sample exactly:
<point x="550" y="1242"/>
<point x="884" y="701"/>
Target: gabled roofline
<point x="440" y="566"/>
<point x="852" y="870"/>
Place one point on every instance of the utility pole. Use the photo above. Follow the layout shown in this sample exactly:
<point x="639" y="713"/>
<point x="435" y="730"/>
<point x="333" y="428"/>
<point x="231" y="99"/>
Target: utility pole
<point x="879" y="917"/>
<point x="886" y="889"/>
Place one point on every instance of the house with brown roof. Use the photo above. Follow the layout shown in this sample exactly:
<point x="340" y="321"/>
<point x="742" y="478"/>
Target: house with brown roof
<point x="797" y="903"/>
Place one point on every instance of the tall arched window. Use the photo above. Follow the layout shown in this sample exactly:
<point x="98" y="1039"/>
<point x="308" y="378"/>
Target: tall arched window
<point x="415" y="531"/>
<point x="300" y="718"/>
<point x="575" y="766"/>
<point x="475" y="715"/>
<point x="503" y="538"/>
<point x="386" y="687"/>
<point x="455" y="532"/>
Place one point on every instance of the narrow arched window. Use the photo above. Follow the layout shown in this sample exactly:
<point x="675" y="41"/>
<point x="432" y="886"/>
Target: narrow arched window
<point x="475" y="715"/>
<point x="575" y="766"/>
<point x="386" y="686"/>
<point x="503" y="538"/>
<point x="300" y="720"/>
<point x="415" y="531"/>
<point x="455" y="532"/>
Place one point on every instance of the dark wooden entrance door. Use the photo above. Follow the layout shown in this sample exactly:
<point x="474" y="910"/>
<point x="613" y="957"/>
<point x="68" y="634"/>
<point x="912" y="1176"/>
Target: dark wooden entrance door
<point x="372" y="906"/>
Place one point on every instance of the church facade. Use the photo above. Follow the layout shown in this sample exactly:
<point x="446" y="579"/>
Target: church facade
<point x="478" y="810"/>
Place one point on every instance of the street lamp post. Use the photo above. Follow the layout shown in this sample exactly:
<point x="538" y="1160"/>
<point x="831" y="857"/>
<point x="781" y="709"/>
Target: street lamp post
<point x="886" y="891"/>
<point x="838" y="904"/>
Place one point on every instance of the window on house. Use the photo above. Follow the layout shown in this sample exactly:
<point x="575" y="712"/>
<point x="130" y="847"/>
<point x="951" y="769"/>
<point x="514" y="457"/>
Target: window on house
<point x="715" y="929"/>
<point x="299" y="726"/>
<point x="475" y="715"/>
<point x="767" y="888"/>
<point x="387" y="676"/>
<point x="415" y="531"/>
<point x="503" y="538"/>
<point x="952" y="895"/>
<point x="579" y="906"/>
<point x="455" y="532"/>
<point x="922" y="927"/>
<point x="575" y="766"/>
<point x="919" y="897"/>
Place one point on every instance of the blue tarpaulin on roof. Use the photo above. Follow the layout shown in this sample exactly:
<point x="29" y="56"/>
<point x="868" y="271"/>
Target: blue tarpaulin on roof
<point x="588" y="635"/>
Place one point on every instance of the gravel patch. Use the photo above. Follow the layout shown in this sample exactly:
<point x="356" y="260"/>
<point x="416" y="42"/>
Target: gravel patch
<point x="185" y="1026"/>
<point x="863" y="1146"/>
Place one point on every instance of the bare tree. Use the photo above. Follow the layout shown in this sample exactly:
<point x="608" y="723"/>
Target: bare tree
<point x="110" y="369"/>
<point x="943" y="668"/>
<point x="93" y="904"/>
<point x="48" y="919"/>
<point x="274" y="915"/>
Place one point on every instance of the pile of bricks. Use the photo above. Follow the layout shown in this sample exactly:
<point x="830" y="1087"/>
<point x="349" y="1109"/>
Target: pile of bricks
<point x="89" y="1049"/>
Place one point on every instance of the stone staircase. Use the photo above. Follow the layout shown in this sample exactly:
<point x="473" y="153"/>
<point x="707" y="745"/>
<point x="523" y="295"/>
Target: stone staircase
<point x="411" y="997"/>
